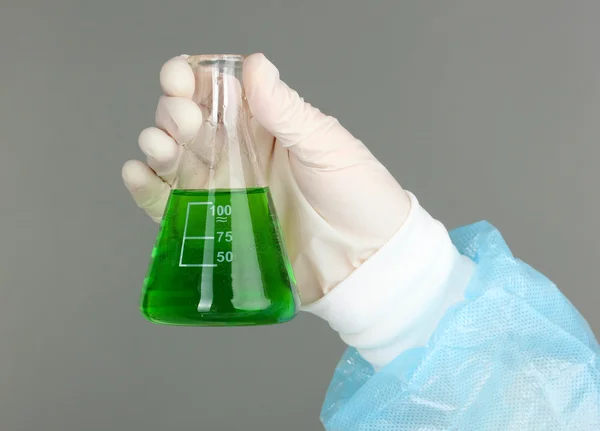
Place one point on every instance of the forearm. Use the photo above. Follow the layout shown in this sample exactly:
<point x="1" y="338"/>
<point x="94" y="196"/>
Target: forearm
<point x="512" y="354"/>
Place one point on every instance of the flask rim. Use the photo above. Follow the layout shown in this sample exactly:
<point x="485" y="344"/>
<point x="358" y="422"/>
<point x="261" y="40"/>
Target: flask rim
<point x="208" y="60"/>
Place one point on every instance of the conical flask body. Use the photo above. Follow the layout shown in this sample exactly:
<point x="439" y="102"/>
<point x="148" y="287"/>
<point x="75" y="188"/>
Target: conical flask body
<point x="219" y="257"/>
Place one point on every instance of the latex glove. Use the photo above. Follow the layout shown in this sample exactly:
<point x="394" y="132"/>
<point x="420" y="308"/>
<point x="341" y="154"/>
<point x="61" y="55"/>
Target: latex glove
<point x="337" y="204"/>
<point x="367" y="258"/>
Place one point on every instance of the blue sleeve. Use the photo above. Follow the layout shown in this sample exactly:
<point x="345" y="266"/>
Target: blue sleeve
<point x="514" y="355"/>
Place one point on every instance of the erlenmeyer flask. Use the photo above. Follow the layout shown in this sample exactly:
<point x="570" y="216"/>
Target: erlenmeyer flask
<point x="219" y="258"/>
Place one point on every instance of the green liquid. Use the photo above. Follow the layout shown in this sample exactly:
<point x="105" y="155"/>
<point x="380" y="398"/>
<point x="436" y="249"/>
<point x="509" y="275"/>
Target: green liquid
<point x="219" y="260"/>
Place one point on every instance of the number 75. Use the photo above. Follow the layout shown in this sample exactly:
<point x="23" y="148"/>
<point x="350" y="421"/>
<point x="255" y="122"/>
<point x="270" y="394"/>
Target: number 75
<point x="228" y="236"/>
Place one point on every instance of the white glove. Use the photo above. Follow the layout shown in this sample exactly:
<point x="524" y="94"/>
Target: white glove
<point x="337" y="206"/>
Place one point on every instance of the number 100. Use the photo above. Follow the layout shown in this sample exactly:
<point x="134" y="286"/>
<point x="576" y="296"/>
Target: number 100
<point x="221" y="210"/>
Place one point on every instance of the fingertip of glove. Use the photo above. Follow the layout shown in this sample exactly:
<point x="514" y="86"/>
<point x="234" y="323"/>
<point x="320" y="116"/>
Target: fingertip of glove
<point x="157" y="145"/>
<point x="134" y="174"/>
<point x="180" y="117"/>
<point x="177" y="77"/>
<point x="258" y="71"/>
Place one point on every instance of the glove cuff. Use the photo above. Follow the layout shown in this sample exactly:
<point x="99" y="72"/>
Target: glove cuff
<point x="395" y="300"/>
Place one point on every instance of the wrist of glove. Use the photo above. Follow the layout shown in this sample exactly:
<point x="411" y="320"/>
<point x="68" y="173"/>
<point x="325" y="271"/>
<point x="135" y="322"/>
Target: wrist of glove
<point x="394" y="301"/>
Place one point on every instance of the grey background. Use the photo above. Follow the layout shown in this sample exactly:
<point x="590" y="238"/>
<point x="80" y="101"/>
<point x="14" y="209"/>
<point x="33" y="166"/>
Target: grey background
<point x="485" y="109"/>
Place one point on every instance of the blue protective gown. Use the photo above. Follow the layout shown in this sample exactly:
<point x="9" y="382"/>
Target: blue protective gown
<point x="514" y="355"/>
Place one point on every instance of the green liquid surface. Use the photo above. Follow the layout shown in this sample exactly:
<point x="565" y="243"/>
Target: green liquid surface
<point x="219" y="260"/>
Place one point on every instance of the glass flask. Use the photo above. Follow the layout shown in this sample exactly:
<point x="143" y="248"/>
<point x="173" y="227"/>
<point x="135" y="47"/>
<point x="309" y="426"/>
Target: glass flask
<point x="219" y="258"/>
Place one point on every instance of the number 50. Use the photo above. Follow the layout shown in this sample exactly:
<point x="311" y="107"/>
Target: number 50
<point x="223" y="256"/>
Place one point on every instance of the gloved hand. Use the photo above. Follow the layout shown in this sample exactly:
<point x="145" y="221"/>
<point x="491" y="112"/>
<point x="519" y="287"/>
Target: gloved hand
<point x="336" y="203"/>
<point x="367" y="258"/>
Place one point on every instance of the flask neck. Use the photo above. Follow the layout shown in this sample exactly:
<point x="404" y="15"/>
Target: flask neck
<point x="223" y="154"/>
<point x="219" y="88"/>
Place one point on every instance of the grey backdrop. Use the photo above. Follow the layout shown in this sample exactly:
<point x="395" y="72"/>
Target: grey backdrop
<point x="485" y="109"/>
